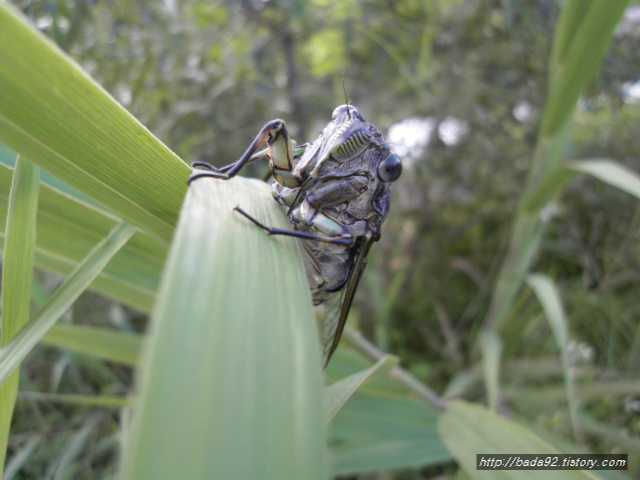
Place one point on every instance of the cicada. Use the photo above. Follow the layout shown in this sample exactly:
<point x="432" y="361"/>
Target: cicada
<point x="336" y="192"/>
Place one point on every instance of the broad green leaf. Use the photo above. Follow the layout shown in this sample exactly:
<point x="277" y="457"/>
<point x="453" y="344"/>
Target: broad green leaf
<point x="469" y="429"/>
<point x="103" y="343"/>
<point x="395" y="381"/>
<point x="549" y="298"/>
<point x="374" y="432"/>
<point x="386" y="423"/>
<point x="17" y="270"/>
<point x="12" y="354"/>
<point x="612" y="173"/>
<point x="69" y="226"/>
<point x="230" y="384"/>
<point x="56" y="116"/>
<point x="337" y="394"/>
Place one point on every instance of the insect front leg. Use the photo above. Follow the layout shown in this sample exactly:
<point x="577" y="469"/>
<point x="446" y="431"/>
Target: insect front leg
<point x="279" y="147"/>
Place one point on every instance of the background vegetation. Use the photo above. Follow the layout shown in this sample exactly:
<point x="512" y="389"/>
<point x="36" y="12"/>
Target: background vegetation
<point x="469" y="79"/>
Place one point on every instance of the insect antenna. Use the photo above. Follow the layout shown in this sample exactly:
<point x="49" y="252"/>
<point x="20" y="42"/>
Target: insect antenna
<point x="344" y="89"/>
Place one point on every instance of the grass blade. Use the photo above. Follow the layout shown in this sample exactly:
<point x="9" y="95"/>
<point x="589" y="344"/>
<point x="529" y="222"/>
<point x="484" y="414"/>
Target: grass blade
<point x="571" y="16"/>
<point x="12" y="354"/>
<point x="581" y="58"/>
<point x="469" y="429"/>
<point x="54" y="114"/>
<point x="337" y="394"/>
<point x="65" y="466"/>
<point x="230" y="385"/>
<point x="108" y="401"/>
<point x="131" y="277"/>
<point x="123" y="347"/>
<point x="17" y="272"/>
<point x="384" y="431"/>
<point x="579" y="50"/>
<point x="491" y="352"/>
<point x="549" y="298"/>
<point x="612" y="173"/>
<point x="20" y="457"/>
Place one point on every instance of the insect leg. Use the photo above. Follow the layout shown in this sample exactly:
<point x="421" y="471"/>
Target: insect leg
<point x="344" y="240"/>
<point x="270" y="132"/>
<point x="298" y="150"/>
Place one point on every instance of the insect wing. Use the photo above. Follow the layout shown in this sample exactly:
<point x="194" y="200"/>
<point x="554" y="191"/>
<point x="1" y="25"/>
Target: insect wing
<point x="337" y="307"/>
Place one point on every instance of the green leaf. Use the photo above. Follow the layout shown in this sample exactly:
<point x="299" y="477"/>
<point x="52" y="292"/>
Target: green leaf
<point x="19" y="248"/>
<point x="230" y="384"/>
<point x="550" y="185"/>
<point x="383" y="431"/>
<point x="578" y="48"/>
<point x="612" y="173"/>
<point x="8" y="159"/>
<point x="469" y="429"/>
<point x="571" y="16"/>
<point x="103" y="343"/>
<point x="583" y="39"/>
<point x="69" y="226"/>
<point x="17" y="272"/>
<point x="61" y="300"/>
<point x="72" y="399"/>
<point x="549" y="298"/>
<point x="337" y="394"/>
<point x="491" y="352"/>
<point x="55" y="115"/>
<point x="388" y="423"/>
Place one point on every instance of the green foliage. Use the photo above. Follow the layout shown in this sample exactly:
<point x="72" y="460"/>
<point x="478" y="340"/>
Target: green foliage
<point x="325" y="52"/>
<point x="63" y="133"/>
<point x="230" y="363"/>
<point x="131" y="277"/>
<point x="17" y="271"/>
<point x="471" y="429"/>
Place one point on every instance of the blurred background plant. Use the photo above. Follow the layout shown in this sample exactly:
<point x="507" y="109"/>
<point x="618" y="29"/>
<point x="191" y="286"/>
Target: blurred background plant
<point x="459" y="88"/>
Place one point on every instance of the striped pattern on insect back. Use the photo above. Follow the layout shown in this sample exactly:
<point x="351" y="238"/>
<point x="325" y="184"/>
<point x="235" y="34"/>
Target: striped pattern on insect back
<point x="353" y="145"/>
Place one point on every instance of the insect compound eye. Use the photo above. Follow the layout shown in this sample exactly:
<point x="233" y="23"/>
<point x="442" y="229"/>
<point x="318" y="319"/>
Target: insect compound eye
<point x="390" y="168"/>
<point x="341" y="110"/>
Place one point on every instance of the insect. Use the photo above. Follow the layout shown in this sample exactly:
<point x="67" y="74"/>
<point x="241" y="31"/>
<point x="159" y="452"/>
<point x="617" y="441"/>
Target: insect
<point x="336" y="192"/>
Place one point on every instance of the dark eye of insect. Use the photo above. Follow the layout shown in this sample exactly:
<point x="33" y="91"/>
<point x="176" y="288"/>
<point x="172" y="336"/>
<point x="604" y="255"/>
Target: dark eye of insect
<point x="341" y="110"/>
<point x="390" y="168"/>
